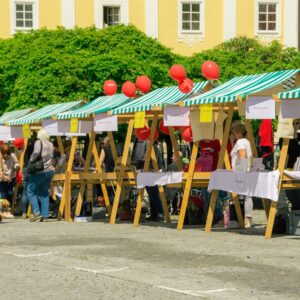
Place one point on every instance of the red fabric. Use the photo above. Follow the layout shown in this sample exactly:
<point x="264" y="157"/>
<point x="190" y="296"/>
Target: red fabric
<point x="211" y="148"/>
<point x="265" y="133"/>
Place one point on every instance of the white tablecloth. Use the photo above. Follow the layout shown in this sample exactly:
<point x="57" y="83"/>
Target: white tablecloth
<point x="293" y="174"/>
<point x="257" y="184"/>
<point x="157" y="178"/>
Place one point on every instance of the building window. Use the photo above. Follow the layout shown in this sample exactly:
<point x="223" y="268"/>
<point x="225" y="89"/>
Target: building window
<point x="268" y="15"/>
<point x="24" y="15"/>
<point x="111" y="12"/>
<point x="111" y="15"/>
<point x="191" y="16"/>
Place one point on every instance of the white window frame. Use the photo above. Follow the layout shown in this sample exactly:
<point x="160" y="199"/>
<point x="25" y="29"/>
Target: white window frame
<point x="202" y="16"/>
<point x="99" y="4"/>
<point x="35" y="9"/>
<point x="276" y="32"/>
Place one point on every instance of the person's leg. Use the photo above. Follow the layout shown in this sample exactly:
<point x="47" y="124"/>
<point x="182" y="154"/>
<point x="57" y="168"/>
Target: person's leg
<point x="3" y="190"/>
<point x="294" y="198"/>
<point x="248" y="211"/>
<point x="24" y="200"/>
<point x="155" y="203"/>
<point x="32" y="189"/>
<point x="43" y="192"/>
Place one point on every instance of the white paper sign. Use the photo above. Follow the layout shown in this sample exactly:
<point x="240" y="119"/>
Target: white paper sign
<point x="51" y="126"/>
<point x="176" y="116"/>
<point x="257" y="164"/>
<point x="260" y="108"/>
<point x="103" y="122"/>
<point x="290" y="109"/>
<point x="5" y="134"/>
<point x="16" y="131"/>
<point x="85" y="127"/>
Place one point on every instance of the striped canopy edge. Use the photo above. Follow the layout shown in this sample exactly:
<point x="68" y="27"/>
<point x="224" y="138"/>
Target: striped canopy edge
<point x="242" y="86"/>
<point x="99" y="105"/>
<point x="46" y="112"/>
<point x="291" y="94"/>
<point x="158" y="98"/>
<point x="15" y="114"/>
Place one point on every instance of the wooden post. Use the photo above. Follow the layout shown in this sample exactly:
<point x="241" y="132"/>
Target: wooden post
<point x="122" y="172"/>
<point x="223" y="156"/>
<point x="102" y="184"/>
<point x="66" y="195"/>
<point x="250" y="137"/>
<point x="188" y="185"/>
<point x="86" y="169"/>
<point x="21" y="161"/>
<point x="146" y="168"/>
<point x="273" y="209"/>
<point x="113" y="146"/>
<point x="175" y="148"/>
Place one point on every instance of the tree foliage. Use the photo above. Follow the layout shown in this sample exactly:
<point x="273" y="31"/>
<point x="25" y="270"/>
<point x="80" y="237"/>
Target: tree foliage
<point x="51" y="66"/>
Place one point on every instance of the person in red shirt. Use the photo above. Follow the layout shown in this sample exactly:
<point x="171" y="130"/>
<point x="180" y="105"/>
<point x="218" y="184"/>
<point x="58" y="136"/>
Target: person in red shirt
<point x="210" y="149"/>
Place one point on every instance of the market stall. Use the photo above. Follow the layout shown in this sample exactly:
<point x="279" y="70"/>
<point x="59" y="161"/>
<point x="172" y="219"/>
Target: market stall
<point x="149" y="108"/>
<point x="234" y="93"/>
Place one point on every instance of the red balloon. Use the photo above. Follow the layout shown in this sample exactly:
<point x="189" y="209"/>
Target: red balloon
<point x="186" y="85"/>
<point x="18" y="143"/>
<point x="156" y="135"/>
<point x="142" y="134"/>
<point x="187" y="134"/>
<point x="164" y="129"/>
<point x="1" y="143"/>
<point x="143" y="83"/>
<point x="110" y="87"/>
<point x="177" y="72"/>
<point x="129" y="89"/>
<point x="210" y="70"/>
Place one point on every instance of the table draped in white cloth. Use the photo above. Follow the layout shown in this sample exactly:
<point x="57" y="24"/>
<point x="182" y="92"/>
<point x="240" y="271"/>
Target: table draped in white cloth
<point x="157" y="178"/>
<point x="293" y="174"/>
<point x="256" y="184"/>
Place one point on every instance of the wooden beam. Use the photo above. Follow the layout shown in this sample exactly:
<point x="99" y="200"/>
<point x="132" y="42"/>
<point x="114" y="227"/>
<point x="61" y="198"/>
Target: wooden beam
<point x="86" y="169"/>
<point x="188" y="185"/>
<point x="122" y="172"/>
<point x="223" y="156"/>
<point x="146" y="168"/>
<point x="273" y="209"/>
<point x="66" y="196"/>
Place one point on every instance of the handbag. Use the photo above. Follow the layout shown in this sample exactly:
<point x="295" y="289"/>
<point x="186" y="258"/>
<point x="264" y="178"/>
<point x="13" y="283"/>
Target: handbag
<point x="37" y="165"/>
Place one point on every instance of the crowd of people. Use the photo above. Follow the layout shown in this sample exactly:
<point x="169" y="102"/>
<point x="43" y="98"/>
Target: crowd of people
<point x="42" y="159"/>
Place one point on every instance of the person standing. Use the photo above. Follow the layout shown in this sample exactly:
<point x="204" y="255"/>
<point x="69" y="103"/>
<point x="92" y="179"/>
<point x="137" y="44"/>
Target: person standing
<point x="242" y="150"/>
<point x="39" y="182"/>
<point x="28" y="152"/>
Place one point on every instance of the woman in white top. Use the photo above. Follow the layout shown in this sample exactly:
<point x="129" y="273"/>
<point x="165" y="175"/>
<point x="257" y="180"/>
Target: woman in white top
<point x="242" y="150"/>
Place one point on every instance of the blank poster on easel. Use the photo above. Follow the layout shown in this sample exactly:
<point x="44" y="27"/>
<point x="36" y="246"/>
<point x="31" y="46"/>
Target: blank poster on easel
<point x="201" y="130"/>
<point x="285" y="127"/>
<point x="260" y="108"/>
<point x="104" y="122"/>
<point x="176" y="116"/>
<point x="290" y="109"/>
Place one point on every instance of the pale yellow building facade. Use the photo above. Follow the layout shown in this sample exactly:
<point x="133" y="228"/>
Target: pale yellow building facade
<point x="186" y="26"/>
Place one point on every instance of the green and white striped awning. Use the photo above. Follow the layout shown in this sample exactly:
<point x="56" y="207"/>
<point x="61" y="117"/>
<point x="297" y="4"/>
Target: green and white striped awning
<point x="291" y="94"/>
<point x="12" y="115"/>
<point x="241" y="86"/>
<point x="97" y="106"/>
<point x="45" y="113"/>
<point x="159" y="97"/>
